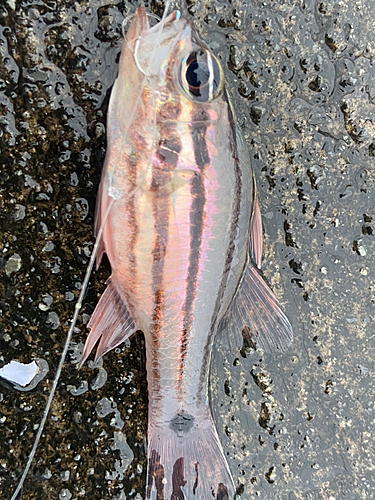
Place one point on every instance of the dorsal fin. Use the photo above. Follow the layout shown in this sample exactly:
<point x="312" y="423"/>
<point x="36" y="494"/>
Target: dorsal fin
<point x="110" y="322"/>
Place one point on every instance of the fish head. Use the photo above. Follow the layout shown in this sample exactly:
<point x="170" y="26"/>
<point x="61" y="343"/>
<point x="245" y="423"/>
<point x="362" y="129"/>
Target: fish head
<point x="165" y="72"/>
<point x="168" y="79"/>
<point x="174" y="59"/>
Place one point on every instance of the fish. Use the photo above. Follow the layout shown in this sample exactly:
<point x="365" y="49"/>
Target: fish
<point x="182" y="230"/>
<point x="178" y="217"/>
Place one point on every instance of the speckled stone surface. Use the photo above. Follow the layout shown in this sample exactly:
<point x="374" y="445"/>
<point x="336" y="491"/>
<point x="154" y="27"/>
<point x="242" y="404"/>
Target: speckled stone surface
<point x="295" y="426"/>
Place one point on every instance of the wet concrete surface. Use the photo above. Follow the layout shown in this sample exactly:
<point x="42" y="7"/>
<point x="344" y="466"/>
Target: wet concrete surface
<point x="297" y="425"/>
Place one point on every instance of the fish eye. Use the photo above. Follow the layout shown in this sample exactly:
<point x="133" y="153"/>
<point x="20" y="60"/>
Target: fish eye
<point x="200" y="76"/>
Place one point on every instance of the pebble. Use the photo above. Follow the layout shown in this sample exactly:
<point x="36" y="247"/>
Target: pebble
<point x="13" y="265"/>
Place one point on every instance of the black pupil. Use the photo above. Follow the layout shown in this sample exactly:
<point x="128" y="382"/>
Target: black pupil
<point x="197" y="74"/>
<point x="200" y="76"/>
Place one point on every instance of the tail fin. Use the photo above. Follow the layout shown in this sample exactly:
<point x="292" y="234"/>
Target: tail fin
<point x="189" y="464"/>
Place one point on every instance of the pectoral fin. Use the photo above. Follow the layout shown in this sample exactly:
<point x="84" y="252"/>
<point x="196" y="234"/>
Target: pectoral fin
<point x="110" y="322"/>
<point x="255" y="312"/>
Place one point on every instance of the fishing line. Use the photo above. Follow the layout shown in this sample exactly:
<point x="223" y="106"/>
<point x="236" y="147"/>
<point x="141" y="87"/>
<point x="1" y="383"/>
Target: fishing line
<point x="128" y="18"/>
<point x="65" y="351"/>
<point x="135" y="107"/>
<point x="113" y="194"/>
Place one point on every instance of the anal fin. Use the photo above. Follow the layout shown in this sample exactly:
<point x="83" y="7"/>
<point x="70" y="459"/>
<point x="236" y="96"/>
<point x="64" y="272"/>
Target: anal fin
<point x="110" y="322"/>
<point x="256" y="311"/>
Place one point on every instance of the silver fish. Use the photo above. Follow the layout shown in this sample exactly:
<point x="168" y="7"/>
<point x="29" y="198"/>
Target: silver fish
<point x="181" y="226"/>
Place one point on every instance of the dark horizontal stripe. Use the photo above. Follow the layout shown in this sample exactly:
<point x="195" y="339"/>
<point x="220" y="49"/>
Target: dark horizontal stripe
<point x="197" y="217"/>
<point x="173" y="144"/>
<point x="235" y="211"/>
<point x="169" y="150"/>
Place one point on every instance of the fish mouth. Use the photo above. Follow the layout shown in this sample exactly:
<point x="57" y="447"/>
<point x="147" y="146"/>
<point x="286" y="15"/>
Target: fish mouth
<point x="153" y="45"/>
<point x="141" y="22"/>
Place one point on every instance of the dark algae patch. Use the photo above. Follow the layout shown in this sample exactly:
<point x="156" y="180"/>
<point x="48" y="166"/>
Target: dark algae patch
<point x="294" y="426"/>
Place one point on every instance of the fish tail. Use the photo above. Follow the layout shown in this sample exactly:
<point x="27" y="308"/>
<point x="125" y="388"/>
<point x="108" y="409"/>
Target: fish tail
<point x="186" y="461"/>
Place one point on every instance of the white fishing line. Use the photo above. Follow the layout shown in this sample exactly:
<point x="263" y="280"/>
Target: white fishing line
<point x="135" y="108"/>
<point x="128" y="18"/>
<point x="64" y="353"/>
<point x="78" y="305"/>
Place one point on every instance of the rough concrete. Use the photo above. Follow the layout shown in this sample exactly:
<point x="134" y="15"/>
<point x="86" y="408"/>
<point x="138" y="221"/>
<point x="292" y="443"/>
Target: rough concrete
<point x="295" y="426"/>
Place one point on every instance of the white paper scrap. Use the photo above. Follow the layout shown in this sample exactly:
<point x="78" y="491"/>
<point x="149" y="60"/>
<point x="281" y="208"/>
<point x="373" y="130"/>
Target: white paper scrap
<point x="19" y="373"/>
